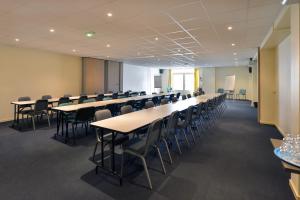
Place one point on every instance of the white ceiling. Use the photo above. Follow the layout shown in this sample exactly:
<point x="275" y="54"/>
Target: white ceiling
<point x="198" y="29"/>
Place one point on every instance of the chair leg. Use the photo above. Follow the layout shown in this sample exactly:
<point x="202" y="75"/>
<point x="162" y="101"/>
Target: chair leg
<point x="190" y="129"/>
<point x="146" y="171"/>
<point x="122" y="167"/>
<point x="168" y="150"/>
<point x="48" y="120"/>
<point x="33" y="123"/>
<point x="161" y="160"/>
<point x="73" y="131"/>
<point x="177" y="143"/>
<point x="95" y="150"/>
<point x="185" y="136"/>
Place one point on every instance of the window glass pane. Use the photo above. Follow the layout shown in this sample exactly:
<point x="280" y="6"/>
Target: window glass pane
<point x="189" y="82"/>
<point x="177" y="82"/>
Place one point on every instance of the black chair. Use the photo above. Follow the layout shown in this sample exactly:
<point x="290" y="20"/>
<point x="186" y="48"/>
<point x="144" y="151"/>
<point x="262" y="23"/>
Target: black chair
<point x="107" y="136"/>
<point x="155" y="100"/>
<point x="142" y="148"/>
<point x="83" y="116"/>
<point x="114" y="108"/>
<point x="23" y="109"/>
<point x="183" y="97"/>
<point x="140" y="104"/>
<point x="82" y="99"/>
<point x="142" y="93"/>
<point x="164" y="101"/>
<point x="149" y="104"/>
<point x="171" y="97"/>
<point x="178" y="95"/>
<point x="40" y="109"/>
<point x="131" y="103"/>
<point x="127" y="94"/>
<point x="189" y="96"/>
<point x="115" y="95"/>
<point x="64" y="100"/>
<point x="100" y="97"/>
<point x="174" y="99"/>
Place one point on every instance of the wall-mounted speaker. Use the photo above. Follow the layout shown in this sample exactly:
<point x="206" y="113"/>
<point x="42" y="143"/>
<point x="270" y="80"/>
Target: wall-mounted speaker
<point x="161" y="71"/>
<point x="250" y="70"/>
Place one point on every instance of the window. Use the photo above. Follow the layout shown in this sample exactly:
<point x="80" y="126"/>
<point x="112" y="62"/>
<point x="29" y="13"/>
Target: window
<point x="183" y="79"/>
<point x="177" y="82"/>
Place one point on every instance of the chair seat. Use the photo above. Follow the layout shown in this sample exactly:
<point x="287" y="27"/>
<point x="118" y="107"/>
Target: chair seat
<point x="181" y="123"/>
<point x="120" y="139"/>
<point x="137" y="146"/>
<point x="26" y="111"/>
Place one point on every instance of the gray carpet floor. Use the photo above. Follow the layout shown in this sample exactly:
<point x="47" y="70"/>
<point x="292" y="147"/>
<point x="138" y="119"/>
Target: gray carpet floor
<point x="234" y="160"/>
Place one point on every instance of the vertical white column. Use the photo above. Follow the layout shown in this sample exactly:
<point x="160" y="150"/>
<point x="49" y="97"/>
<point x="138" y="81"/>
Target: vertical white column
<point x="295" y="86"/>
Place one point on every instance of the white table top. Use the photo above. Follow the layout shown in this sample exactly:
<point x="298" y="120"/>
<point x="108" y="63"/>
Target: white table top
<point x="72" y="108"/>
<point x="53" y="100"/>
<point x="129" y="122"/>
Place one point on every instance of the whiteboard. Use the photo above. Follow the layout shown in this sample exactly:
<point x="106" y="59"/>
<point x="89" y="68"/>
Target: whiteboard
<point x="157" y="82"/>
<point x="229" y="83"/>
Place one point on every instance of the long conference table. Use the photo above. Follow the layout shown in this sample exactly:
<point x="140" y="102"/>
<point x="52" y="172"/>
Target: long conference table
<point x="18" y="104"/>
<point x="97" y="104"/>
<point x="129" y="123"/>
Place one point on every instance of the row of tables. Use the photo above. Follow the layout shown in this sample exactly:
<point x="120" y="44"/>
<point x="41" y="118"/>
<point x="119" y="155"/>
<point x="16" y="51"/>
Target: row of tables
<point x="128" y="123"/>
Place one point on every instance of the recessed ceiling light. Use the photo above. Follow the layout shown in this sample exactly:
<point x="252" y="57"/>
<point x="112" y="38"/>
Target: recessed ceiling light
<point x="138" y="53"/>
<point x="74" y="50"/>
<point x="17" y="40"/>
<point x="107" y="56"/>
<point x="233" y="44"/>
<point x="52" y="30"/>
<point x="90" y="34"/>
<point x="178" y="50"/>
<point x="156" y="38"/>
<point x="234" y="54"/>
<point x="108" y="45"/>
<point x="109" y="14"/>
<point x="283" y="2"/>
<point x="229" y="28"/>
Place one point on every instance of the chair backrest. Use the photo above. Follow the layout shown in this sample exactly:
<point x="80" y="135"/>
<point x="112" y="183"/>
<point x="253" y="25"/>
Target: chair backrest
<point x="142" y="93"/>
<point x="85" y="114"/>
<point x="67" y="95"/>
<point x="171" y="123"/>
<point x="171" y="97"/>
<point x="189" y="96"/>
<point x="149" y="104"/>
<point x="220" y="90"/>
<point x="26" y="98"/>
<point x="82" y="99"/>
<point x="130" y="102"/>
<point x="63" y="100"/>
<point x="114" y="108"/>
<point x="153" y="134"/>
<point x="115" y="95"/>
<point x="102" y="114"/>
<point x="242" y="91"/>
<point x="178" y="95"/>
<point x="154" y="93"/>
<point x="174" y="99"/>
<point x="155" y="100"/>
<point x="188" y="115"/>
<point x="164" y="101"/>
<point x="127" y="94"/>
<point x="183" y="97"/>
<point x="196" y="94"/>
<point x="89" y="100"/>
<point x="126" y="109"/>
<point x="41" y="105"/>
<point x="46" y="97"/>
<point x="100" y="97"/>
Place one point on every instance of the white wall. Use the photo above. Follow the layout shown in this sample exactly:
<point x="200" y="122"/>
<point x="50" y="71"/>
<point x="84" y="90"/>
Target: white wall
<point x="138" y="78"/>
<point x="284" y="83"/>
